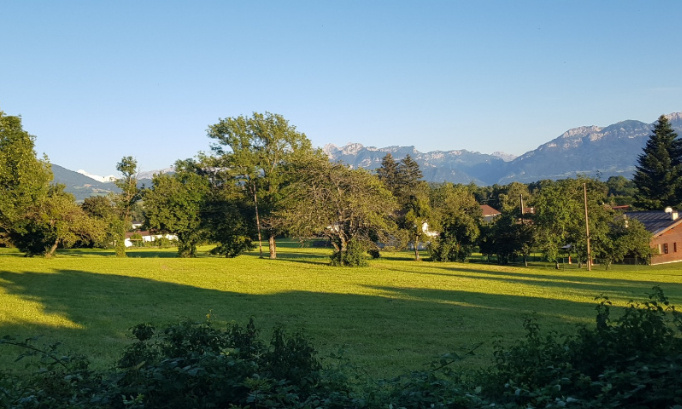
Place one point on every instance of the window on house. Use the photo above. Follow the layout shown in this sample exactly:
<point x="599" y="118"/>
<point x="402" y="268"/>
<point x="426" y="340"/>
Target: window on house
<point x="665" y="248"/>
<point x="675" y="247"/>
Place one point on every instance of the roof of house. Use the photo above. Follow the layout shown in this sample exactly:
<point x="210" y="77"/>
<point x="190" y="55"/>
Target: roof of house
<point x="489" y="211"/>
<point x="656" y="221"/>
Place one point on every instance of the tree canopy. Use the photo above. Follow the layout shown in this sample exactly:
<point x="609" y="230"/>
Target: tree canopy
<point x="174" y="204"/>
<point x="460" y="217"/>
<point x="56" y="220"/>
<point x="658" y="177"/>
<point x="24" y="179"/>
<point x="125" y="200"/>
<point x="253" y="150"/>
<point x="351" y="207"/>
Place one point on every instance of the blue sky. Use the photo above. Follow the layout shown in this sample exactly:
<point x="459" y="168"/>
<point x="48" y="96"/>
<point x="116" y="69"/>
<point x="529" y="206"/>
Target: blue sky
<point x="99" y="80"/>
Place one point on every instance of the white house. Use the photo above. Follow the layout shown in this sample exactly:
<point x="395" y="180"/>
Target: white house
<point x="148" y="237"/>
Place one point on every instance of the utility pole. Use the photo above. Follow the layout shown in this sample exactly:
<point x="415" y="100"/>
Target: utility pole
<point x="525" y="260"/>
<point x="521" y="197"/>
<point x="587" y="230"/>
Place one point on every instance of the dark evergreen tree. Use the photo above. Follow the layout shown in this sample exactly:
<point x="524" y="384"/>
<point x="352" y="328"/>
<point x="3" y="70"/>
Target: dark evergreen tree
<point x="388" y="174"/>
<point x="659" y="169"/>
<point x="409" y="174"/>
<point x="400" y="178"/>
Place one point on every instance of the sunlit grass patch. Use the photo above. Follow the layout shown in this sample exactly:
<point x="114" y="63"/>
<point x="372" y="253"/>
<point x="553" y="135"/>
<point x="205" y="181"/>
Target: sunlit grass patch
<point x="394" y="315"/>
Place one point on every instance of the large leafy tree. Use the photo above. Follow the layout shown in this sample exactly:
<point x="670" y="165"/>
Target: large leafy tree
<point x="624" y="238"/>
<point x="509" y="198"/>
<point x="560" y="215"/>
<point x="227" y="219"/>
<point x="24" y="179"/>
<point x="418" y="218"/>
<point x="403" y="180"/>
<point x="511" y="235"/>
<point x="460" y="217"/>
<point x="56" y="220"/>
<point x="659" y="169"/>
<point x="125" y="201"/>
<point x="621" y="190"/>
<point x="101" y="209"/>
<point x="350" y="207"/>
<point x="507" y="237"/>
<point x="174" y="204"/>
<point x="254" y="150"/>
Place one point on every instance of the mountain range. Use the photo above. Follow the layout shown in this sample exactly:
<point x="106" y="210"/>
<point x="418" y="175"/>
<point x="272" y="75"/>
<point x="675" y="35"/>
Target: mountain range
<point x="587" y="150"/>
<point x="82" y="185"/>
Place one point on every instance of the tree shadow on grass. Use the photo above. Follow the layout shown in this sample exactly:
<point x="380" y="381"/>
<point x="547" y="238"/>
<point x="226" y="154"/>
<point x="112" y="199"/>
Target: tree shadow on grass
<point x="161" y="253"/>
<point x="388" y="331"/>
<point x="567" y="279"/>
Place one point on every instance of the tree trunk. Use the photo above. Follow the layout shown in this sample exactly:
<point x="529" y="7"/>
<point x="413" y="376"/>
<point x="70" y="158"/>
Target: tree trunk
<point x="260" y="239"/>
<point x="272" y="246"/>
<point x="121" y="243"/>
<point x="416" y="248"/>
<point x="121" y="240"/>
<point x="343" y="248"/>
<point x="52" y="249"/>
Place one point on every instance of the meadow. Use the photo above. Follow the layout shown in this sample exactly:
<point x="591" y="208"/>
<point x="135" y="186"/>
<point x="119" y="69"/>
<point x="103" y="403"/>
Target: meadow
<point x="391" y="317"/>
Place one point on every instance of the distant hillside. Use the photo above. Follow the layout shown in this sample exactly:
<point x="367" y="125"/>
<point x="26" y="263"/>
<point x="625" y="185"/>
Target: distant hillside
<point x="588" y="150"/>
<point x="79" y="185"/>
<point x="460" y="166"/>
<point x="82" y="186"/>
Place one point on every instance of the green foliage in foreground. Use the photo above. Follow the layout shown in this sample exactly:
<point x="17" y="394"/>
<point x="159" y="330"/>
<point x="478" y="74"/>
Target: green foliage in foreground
<point x="631" y="361"/>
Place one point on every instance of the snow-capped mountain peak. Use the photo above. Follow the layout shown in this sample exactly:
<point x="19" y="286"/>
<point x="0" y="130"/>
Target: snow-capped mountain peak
<point x="103" y="179"/>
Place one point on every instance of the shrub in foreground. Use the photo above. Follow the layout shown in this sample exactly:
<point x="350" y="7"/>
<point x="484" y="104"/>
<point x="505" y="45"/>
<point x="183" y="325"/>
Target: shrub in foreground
<point x="632" y="361"/>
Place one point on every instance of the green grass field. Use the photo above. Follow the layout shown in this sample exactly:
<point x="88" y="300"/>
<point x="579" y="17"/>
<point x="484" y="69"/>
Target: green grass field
<point x="393" y="316"/>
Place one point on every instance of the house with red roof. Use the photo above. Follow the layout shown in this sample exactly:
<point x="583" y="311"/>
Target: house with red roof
<point x="489" y="213"/>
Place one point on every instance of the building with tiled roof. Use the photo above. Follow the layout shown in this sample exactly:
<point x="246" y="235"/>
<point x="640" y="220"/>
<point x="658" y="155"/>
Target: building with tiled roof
<point x="489" y="213"/>
<point x="666" y="228"/>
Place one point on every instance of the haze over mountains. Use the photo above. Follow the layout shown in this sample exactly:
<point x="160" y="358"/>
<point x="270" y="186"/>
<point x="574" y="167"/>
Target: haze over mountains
<point x="81" y="184"/>
<point x="587" y="150"/>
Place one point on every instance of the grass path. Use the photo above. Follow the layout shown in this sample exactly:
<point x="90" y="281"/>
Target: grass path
<point x="390" y="317"/>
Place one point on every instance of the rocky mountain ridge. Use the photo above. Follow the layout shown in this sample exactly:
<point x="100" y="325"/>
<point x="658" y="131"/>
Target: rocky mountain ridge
<point x="587" y="150"/>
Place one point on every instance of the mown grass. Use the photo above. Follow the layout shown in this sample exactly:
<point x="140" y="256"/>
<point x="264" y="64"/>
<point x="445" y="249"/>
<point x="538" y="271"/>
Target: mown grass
<point x="391" y="317"/>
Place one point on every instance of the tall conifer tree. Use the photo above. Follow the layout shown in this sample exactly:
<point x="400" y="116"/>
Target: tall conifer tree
<point x="388" y="174"/>
<point x="659" y="169"/>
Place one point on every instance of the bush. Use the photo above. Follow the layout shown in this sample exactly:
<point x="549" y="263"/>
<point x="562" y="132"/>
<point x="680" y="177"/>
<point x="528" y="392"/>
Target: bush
<point x="163" y="242"/>
<point x="354" y="256"/>
<point x="634" y="361"/>
<point x="137" y="240"/>
<point x="448" y="249"/>
<point x="197" y="365"/>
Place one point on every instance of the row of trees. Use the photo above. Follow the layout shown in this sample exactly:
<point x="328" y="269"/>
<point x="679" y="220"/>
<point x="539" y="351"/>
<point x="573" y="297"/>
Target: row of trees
<point x="264" y="179"/>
